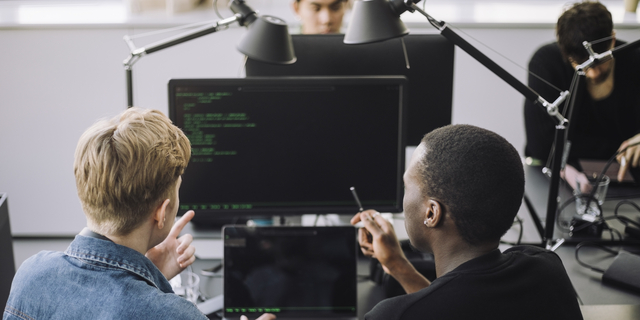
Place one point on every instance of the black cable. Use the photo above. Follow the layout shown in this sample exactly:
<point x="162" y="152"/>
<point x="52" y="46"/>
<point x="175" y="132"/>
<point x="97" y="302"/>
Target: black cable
<point x="624" y="220"/>
<point x="594" y="244"/>
<point x="616" y="231"/>
<point x="591" y="197"/>
<point x="610" y="161"/>
<point x="521" y="230"/>
<point x="564" y="205"/>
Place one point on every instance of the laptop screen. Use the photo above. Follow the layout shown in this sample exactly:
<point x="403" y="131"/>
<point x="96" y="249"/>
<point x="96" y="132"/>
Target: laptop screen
<point x="292" y="272"/>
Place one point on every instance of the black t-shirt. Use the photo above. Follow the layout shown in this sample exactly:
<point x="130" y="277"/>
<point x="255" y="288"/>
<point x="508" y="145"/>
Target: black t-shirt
<point x="521" y="283"/>
<point x="597" y="128"/>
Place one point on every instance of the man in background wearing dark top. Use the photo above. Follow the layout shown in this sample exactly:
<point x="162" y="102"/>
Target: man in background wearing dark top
<point x="463" y="188"/>
<point x="606" y="115"/>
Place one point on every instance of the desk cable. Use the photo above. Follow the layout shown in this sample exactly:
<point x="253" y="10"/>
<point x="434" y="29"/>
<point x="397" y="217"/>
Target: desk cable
<point x="589" y="199"/>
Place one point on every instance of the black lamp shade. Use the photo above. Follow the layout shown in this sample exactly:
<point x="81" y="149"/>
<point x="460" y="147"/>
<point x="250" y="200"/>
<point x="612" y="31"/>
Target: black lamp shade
<point x="268" y="40"/>
<point x="373" y="21"/>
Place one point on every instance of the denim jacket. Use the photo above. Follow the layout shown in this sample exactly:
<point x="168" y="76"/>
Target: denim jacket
<point x="94" y="279"/>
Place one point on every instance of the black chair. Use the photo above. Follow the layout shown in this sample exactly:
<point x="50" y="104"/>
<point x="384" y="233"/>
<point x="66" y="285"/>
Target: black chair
<point x="7" y="267"/>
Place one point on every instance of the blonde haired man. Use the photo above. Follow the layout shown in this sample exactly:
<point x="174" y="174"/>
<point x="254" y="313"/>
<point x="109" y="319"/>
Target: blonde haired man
<point x="127" y="173"/>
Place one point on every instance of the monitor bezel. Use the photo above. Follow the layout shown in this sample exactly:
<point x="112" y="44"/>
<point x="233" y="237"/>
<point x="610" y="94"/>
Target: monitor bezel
<point x="221" y="216"/>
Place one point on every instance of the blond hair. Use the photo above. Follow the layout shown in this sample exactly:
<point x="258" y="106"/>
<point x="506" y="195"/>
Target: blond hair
<point x="126" y="166"/>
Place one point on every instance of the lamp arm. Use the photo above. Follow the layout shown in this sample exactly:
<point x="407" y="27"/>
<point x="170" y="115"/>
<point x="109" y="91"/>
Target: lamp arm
<point x="629" y="45"/>
<point x="530" y="94"/>
<point x="136" y="53"/>
<point x="527" y="92"/>
<point x="605" y="56"/>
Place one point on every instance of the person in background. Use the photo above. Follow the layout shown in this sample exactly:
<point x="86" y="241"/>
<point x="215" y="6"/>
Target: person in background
<point x="606" y="115"/>
<point x="630" y="8"/>
<point x="463" y="188"/>
<point x="320" y="16"/>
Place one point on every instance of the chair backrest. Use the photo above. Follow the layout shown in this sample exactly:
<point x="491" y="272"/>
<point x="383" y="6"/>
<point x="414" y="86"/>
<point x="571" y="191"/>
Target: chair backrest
<point x="7" y="267"/>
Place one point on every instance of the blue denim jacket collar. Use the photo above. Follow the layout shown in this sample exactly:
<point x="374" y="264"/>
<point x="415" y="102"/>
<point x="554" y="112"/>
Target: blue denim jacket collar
<point x="110" y="254"/>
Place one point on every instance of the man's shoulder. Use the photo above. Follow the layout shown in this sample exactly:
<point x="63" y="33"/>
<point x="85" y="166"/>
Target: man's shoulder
<point x="550" y="51"/>
<point x="495" y="286"/>
<point x="532" y="252"/>
<point x="165" y="306"/>
<point x="42" y="262"/>
<point x="549" y="47"/>
<point x="53" y="285"/>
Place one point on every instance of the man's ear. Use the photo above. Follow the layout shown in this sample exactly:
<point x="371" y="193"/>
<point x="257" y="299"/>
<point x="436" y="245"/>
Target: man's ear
<point x="160" y="214"/>
<point x="434" y="213"/>
<point x="296" y="7"/>
<point x="613" y="39"/>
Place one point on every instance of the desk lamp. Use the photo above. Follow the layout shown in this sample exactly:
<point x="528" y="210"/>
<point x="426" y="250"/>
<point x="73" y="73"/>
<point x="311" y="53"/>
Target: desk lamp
<point x="379" y="20"/>
<point x="267" y="40"/>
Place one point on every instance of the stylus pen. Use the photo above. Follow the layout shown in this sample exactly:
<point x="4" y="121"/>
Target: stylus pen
<point x="355" y="196"/>
<point x="361" y="223"/>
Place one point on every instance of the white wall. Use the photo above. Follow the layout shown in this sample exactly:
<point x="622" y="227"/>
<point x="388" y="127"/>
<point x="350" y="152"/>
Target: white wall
<point x="54" y="83"/>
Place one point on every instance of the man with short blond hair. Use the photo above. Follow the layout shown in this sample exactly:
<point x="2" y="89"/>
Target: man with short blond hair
<point x="128" y="171"/>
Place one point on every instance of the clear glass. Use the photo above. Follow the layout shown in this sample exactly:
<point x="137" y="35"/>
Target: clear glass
<point x="598" y="198"/>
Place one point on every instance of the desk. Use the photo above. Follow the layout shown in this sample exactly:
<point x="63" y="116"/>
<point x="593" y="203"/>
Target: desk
<point x="537" y="190"/>
<point x="598" y="299"/>
<point x="587" y="283"/>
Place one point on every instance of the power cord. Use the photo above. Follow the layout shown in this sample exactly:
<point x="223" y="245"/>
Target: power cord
<point x="592" y="244"/>
<point x="567" y="225"/>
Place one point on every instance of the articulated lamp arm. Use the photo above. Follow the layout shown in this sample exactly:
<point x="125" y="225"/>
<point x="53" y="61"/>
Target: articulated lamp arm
<point x="267" y="40"/>
<point x="526" y="91"/>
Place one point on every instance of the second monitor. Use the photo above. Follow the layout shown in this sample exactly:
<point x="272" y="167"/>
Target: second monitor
<point x="430" y="71"/>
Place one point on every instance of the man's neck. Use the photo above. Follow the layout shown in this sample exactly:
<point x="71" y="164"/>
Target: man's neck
<point x="137" y="240"/>
<point x="450" y="255"/>
<point x="132" y="241"/>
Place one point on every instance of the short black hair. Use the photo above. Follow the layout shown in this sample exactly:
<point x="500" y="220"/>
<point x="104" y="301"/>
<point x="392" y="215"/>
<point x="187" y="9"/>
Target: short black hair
<point x="583" y="21"/>
<point x="479" y="177"/>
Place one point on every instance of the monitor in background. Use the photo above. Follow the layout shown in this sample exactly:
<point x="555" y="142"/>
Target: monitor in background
<point x="430" y="74"/>
<point x="7" y="267"/>
<point x="290" y="145"/>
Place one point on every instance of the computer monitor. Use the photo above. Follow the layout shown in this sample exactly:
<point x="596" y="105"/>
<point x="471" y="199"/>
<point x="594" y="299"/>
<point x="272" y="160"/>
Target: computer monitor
<point x="281" y="146"/>
<point x="430" y="74"/>
<point x="7" y="267"/>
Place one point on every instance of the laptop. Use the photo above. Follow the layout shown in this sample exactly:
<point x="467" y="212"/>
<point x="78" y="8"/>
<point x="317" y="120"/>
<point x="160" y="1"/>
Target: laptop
<point x="293" y="272"/>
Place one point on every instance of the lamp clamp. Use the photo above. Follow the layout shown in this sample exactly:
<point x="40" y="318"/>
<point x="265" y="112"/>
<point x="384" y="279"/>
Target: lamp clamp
<point x="245" y="15"/>
<point x="594" y="58"/>
<point x="552" y="108"/>
<point x="400" y="6"/>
